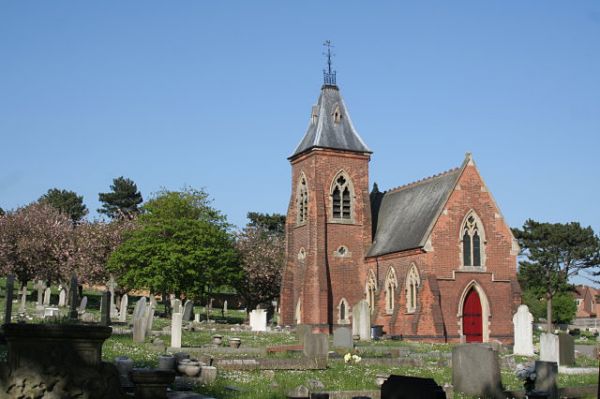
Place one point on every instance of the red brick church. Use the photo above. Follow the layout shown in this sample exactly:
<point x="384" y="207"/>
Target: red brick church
<point x="434" y="259"/>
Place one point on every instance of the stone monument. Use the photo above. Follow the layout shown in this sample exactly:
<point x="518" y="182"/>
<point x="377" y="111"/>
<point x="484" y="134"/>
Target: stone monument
<point x="523" y="332"/>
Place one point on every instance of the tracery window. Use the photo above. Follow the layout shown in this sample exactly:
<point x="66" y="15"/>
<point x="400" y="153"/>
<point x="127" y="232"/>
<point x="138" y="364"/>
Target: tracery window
<point x="412" y="283"/>
<point x="472" y="233"/>
<point x="371" y="289"/>
<point x="391" y="283"/>
<point x="341" y="199"/>
<point x="302" y="201"/>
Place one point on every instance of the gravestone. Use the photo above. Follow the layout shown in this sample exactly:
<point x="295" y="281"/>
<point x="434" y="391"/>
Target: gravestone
<point x="316" y="347"/>
<point x="62" y="297"/>
<point x="301" y="331"/>
<point x="342" y="338"/>
<point x="47" y="294"/>
<point x="139" y="321"/>
<point x="176" y="322"/>
<point x="523" y="332"/>
<point x="10" y="283"/>
<point x="82" y="305"/>
<point x="176" y="306"/>
<point x="188" y="310"/>
<point x="123" y="309"/>
<point x="403" y="387"/>
<point x="566" y="350"/>
<point x="40" y="286"/>
<point x="549" y="347"/>
<point x="23" y="299"/>
<point x="105" y="308"/>
<point x="225" y="306"/>
<point x="113" y="306"/>
<point x="73" y="314"/>
<point x="258" y="320"/>
<point x="361" y="320"/>
<point x="546" y="376"/>
<point x="150" y="309"/>
<point x="476" y="371"/>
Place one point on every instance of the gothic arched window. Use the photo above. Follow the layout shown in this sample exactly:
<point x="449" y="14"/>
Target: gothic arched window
<point x="302" y="201"/>
<point x="391" y="283"/>
<point x="412" y="283"/>
<point x="341" y="198"/>
<point x="472" y="234"/>
<point x="343" y="312"/>
<point x="371" y="289"/>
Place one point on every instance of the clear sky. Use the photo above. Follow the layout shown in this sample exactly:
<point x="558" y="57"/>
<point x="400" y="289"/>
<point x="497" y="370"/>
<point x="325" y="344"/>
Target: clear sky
<point x="218" y="94"/>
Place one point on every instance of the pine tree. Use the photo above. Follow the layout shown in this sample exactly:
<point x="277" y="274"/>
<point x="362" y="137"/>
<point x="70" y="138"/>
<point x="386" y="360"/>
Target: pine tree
<point x="66" y="202"/>
<point x="122" y="202"/>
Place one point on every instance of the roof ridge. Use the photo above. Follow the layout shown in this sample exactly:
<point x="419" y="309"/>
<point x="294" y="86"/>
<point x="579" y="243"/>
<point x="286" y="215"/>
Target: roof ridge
<point x="421" y="181"/>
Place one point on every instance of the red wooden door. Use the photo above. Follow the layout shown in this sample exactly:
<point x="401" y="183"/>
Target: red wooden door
<point x="472" y="325"/>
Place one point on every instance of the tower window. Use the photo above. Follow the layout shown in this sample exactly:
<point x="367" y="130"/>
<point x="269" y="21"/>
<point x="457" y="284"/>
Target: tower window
<point x="341" y="199"/>
<point x="302" y="201"/>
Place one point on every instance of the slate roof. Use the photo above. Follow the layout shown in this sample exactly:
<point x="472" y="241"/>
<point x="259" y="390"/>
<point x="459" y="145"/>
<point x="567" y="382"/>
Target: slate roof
<point x="324" y="132"/>
<point x="402" y="217"/>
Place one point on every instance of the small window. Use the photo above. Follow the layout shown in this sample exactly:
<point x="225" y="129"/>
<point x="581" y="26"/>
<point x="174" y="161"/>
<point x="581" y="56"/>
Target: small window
<point x="341" y="199"/>
<point x="343" y="312"/>
<point x="337" y="115"/>
<point x="301" y="254"/>
<point x="302" y="201"/>
<point x="370" y="290"/>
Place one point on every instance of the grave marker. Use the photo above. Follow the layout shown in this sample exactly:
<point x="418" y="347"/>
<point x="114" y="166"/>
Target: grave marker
<point x="476" y="371"/>
<point x="523" y="332"/>
<point x="47" y="294"/>
<point x="73" y="314"/>
<point x="361" y="320"/>
<point x="342" y="338"/>
<point x="40" y="286"/>
<point x="139" y="321"/>
<point x="23" y="299"/>
<point x="10" y="283"/>
<point x="258" y="320"/>
<point x="123" y="309"/>
<point x="62" y="297"/>
<point x="549" y="347"/>
<point x="176" y="322"/>
<point x="105" y="308"/>
<point x="188" y="309"/>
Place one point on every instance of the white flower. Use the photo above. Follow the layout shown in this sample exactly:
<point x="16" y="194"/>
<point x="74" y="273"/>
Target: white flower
<point x="356" y="358"/>
<point x="347" y="357"/>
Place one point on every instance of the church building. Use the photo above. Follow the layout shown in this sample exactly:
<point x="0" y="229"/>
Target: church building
<point x="434" y="259"/>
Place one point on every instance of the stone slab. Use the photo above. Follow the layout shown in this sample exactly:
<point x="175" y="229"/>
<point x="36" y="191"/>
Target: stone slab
<point x="476" y="371"/>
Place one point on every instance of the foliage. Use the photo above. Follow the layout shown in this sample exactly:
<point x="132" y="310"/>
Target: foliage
<point x="262" y="256"/>
<point x="122" y="201"/>
<point x="180" y="245"/>
<point x="67" y="202"/>
<point x="564" y="306"/>
<point x="35" y="243"/>
<point x="2" y="213"/>
<point x="273" y="223"/>
<point x="554" y="252"/>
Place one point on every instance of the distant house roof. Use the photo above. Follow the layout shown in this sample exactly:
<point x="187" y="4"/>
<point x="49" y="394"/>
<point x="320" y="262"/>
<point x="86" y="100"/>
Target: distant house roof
<point x="330" y="126"/>
<point x="402" y="217"/>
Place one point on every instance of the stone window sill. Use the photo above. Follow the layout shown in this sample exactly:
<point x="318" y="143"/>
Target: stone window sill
<point x="472" y="269"/>
<point x="342" y="221"/>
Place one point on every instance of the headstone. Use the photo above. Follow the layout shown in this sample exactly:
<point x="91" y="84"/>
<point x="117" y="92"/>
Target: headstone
<point x="140" y="307"/>
<point x="139" y="320"/>
<point x="476" y="370"/>
<point x="188" y="310"/>
<point x="361" y="320"/>
<point x="105" y="308"/>
<point x="73" y="314"/>
<point x="40" y="291"/>
<point x="403" y="387"/>
<point x="225" y="306"/>
<point x="62" y="297"/>
<point x="113" y="306"/>
<point x="546" y="376"/>
<point x="23" y="299"/>
<point x="123" y="309"/>
<point x="197" y="317"/>
<point x="47" y="294"/>
<point x="150" y="309"/>
<point x="316" y="345"/>
<point x="82" y="305"/>
<point x="342" y="338"/>
<point x="549" y="347"/>
<point x="51" y="312"/>
<point x="566" y="350"/>
<point x="176" y="306"/>
<point x="10" y="283"/>
<point x="258" y="320"/>
<point x="523" y="332"/>
<point x="208" y="375"/>
<point x="301" y="331"/>
<point x="176" y="322"/>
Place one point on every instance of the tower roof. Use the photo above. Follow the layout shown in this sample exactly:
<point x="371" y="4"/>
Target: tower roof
<point x="330" y="126"/>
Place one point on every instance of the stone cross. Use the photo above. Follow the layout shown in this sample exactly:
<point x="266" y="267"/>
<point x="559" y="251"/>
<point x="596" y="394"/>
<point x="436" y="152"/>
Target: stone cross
<point x="523" y="332"/>
<point x="10" y="284"/>
<point x="23" y="298"/>
<point x="73" y="315"/>
<point x="40" y="291"/>
<point x="47" y="294"/>
<point x="105" y="308"/>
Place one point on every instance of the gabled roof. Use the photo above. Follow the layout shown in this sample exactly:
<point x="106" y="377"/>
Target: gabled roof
<point x="324" y="131"/>
<point x="403" y="217"/>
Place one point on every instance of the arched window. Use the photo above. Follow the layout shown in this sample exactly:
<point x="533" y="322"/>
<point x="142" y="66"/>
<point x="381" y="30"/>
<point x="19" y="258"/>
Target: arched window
<point x="371" y="289"/>
<point x="391" y="283"/>
<point x="412" y="284"/>
<point x="472" y="233"/>
<point x="302" y="201"/>
<point x="343" y="312"/>
<point x="341" y="198"/>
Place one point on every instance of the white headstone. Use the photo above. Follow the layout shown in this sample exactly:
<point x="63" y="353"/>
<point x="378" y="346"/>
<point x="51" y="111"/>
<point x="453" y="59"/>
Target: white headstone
<point x="361" y="320"/>
<point x="140" y="308"/>
<point x="225" y="306"/>
<point x="82" y="305"/>
<point x="123" y="309"/>
<point x="139" y="320"/>
<point x="258" y="320"/>
<point x="176" y="322"/>
<point x="47" y="293"/>
<point x="549" y="347"/>
<point x="113" y="306"/>
<point x="150" y="314"/>
<point x="176" y="306"/>
<point x="523" y="332"/>
<point x="62" y="297"/>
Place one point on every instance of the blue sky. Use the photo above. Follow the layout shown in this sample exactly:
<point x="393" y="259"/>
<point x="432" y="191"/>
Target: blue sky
<point x="218" y="94"/>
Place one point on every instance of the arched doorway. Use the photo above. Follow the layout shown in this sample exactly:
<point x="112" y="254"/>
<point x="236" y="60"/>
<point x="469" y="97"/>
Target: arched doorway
<point x="472" y="317"/>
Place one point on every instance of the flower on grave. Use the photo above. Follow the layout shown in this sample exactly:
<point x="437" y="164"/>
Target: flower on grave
<point x="528" y="375"/>
<point x="347" y="357"/>
<point x="356" y="358"/>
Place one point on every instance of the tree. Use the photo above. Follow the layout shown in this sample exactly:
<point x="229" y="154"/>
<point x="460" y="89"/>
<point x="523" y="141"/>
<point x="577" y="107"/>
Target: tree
<point x="564" y="306"/>
<point x="262" y="256"/>
<point x="554" y="252"/>
<point x="180" y="245"/>
<point x="272" y="223"/>
<point x="35" y="243"/>
<point x="2" y="213"/>
<point x="67" y="202"/>
<point x="122" y="202"/>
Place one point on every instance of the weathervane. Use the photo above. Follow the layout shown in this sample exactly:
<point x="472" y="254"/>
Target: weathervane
<point x="328" y="74"/>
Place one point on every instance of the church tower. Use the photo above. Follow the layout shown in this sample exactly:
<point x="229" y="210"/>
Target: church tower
<point x="328" y="223"/>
